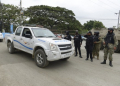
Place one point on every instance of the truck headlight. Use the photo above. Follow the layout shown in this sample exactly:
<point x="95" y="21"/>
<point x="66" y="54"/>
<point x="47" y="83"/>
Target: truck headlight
<point x="53" y="47"/>
<point x="72" y="44"/>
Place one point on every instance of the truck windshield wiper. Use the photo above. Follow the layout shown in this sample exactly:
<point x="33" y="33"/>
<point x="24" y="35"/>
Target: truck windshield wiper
<point x="41" y="36"/>
<point x="50" y="36"/>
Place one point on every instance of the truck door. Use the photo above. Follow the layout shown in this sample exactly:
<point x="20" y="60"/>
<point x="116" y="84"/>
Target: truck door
<point x="27" y="40"/>
<point x="16" y="38"/>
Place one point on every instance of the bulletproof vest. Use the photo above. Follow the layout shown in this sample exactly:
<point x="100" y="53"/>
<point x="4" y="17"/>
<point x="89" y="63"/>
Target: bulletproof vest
<point x="68" y="37"/>
<point x="76" y="38"/>
<point x="96" y="38"/>
<point x="109" y="38"/>
<point x="89" y="41"/>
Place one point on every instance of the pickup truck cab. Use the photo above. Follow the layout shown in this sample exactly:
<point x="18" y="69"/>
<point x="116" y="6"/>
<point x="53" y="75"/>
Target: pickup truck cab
<point x="41" y="43"/>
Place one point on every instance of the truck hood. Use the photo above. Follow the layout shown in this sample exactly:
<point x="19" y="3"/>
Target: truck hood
<point x="55" y="40"/>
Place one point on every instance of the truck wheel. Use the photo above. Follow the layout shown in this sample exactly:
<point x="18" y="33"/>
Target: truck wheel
<point x="11" y="48"/>
<point x="118" y="48"/>
<point x="1" y="40"/>
<point x="40" y="58"/>
<point x="65" y="59"/>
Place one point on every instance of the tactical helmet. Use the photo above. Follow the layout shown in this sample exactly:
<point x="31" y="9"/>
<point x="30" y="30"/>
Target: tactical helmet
<point x="89" y="32"/>
<point x="111" y="29"/>
<point x="96" y="32"/>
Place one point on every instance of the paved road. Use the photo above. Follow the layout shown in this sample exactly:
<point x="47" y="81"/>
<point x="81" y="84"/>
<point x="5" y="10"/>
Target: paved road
<point x="19" y="69"/>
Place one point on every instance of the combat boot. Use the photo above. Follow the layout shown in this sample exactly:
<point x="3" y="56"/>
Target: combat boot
<point x="104" y="62"/>
<point x="97" y="56"/>
<point x="75" y="55"/>
<point x="80" y="56"/>
<point x="110" y="63"/>
<point x="91" y="60"/>
<point x="86" y="59"/>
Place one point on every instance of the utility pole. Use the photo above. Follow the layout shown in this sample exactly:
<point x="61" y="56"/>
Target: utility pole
<point x="1" y="20"/>
<point x="118" y="19"/>
<point x="21" y="13"/>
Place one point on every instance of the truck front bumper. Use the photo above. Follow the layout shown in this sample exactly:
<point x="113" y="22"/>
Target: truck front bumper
<point x="57" y="55"/>
<point x="1" y="37"/>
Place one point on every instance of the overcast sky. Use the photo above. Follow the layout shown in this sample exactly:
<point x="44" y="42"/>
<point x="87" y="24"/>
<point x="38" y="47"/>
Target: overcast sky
<point x="85" y="10"/>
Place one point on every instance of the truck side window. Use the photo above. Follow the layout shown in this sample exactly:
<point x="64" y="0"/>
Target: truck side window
<point x="26" y="31"/>
<point x="18" y="31"/>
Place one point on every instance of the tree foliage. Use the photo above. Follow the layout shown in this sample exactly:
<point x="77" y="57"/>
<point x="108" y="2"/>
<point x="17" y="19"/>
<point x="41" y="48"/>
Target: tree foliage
<point x="53" y="17"/>
<point x="47" y="16"/>
<point x="9" y="15"/>
<point x="98" y="24"/>
<point x="93" y="24"/>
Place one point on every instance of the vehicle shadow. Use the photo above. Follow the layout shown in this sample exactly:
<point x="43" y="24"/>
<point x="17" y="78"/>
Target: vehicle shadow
<point x="58" y="64"/>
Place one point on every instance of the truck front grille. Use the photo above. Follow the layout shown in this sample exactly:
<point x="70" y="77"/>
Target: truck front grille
<point x="65" y="46"/>
<point x="66" y="52"/>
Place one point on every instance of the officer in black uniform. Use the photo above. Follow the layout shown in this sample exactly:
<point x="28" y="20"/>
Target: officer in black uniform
<point x="89" y="45"/>
<point x="77" y="43"/>
<point x="68" y="37"/>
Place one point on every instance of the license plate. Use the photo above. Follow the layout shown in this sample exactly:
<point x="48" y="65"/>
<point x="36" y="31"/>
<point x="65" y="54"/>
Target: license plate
<point x="67" y="55"/>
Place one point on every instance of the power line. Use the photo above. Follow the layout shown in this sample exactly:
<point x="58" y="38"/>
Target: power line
<point x="102" y="6"/>
<point x="114" y="3"/>
<point x="97" y="19"/>
<point x="107" y="4"/>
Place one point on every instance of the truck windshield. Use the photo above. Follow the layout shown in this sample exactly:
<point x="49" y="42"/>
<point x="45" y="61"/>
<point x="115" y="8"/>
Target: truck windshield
<point x="38" y="32"/>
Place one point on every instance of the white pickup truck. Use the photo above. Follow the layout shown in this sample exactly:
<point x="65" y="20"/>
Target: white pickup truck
<point x="41" y="43"/>
<point x="1" y="37"/>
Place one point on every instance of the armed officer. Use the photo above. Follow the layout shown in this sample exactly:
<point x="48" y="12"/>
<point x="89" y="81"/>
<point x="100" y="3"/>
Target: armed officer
<point x="89" y="45"/>
<point x="97" y="44"/>
<point x="77" y="43"/>
<point x="110" y="44"/>
<point x="67" y="36"/>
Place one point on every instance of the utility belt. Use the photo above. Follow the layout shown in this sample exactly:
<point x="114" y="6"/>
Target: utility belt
<point x="109" y="45"/>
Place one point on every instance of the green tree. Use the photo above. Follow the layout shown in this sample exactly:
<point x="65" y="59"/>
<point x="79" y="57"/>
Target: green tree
<point x="93" y="24"/>
<point x="88" y="25"/>
<point x="98" y="25"/>
<point x="53" y="17"/>
<point x="9" y="15"/>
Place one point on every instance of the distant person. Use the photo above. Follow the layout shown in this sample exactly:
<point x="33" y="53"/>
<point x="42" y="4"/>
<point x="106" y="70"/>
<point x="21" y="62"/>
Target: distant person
<point x="97" y="43"/>
<point x="77" y="43"/>
<point x="67" y="36"/>
<point x="110" y="44"/>
<point x="89" y="45"/>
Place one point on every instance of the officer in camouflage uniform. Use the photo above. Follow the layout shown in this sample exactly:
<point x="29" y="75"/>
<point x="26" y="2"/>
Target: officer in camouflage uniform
<point x="97" y="43"/>
<point x="110" y="44"/>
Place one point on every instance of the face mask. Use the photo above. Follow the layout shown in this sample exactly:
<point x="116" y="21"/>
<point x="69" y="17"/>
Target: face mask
<point x="109" y="32"/>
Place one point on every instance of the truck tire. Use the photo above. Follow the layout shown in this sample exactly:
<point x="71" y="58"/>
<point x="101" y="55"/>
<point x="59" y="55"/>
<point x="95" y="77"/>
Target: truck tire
<point x="65" y="59"/>
<point x="1" y="40"/>
<point x="11" y="48"/>
<point x="117" y="48"/>
<point x="40" y="58"/>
